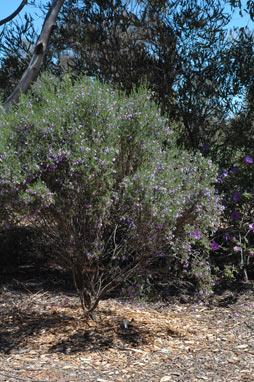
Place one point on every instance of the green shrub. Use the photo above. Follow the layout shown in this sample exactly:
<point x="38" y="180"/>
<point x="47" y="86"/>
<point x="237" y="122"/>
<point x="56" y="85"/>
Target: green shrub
<point x="100" y="174"/>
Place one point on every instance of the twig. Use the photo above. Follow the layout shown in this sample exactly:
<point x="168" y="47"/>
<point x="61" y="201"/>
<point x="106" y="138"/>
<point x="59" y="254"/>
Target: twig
<point x="249" y="326"/>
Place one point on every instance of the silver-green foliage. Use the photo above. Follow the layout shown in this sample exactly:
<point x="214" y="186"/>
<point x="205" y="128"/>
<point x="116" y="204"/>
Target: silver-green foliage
<point x="101" y="175"/>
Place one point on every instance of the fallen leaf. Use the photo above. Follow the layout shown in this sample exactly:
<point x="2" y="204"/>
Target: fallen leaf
<point x="242" y="346"/>
<point x="167" y="378"/>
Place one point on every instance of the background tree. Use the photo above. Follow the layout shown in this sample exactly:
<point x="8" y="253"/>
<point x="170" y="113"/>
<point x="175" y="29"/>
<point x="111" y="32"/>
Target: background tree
<point x="119" y="42"/>
<point x="181" y="49"/>
<point x="15" y="53"/>
<point x="240" y="133"/>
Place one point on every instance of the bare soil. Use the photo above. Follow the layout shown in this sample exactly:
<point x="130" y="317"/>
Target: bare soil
<point x="44" y="336"/>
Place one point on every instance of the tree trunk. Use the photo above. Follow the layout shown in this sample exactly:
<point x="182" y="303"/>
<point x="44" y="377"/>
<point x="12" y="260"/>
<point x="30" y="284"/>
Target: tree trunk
<point x="34" y="66"/>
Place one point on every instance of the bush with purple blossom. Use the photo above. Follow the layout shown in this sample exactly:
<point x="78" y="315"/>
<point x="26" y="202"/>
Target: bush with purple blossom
<point x="101" y="176"/>
<point x="236" y="236"/>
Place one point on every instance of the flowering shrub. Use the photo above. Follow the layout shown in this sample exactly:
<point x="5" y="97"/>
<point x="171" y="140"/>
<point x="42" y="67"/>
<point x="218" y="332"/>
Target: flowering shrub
<point x="101" y="176"/>
<point x="235" y="241"/>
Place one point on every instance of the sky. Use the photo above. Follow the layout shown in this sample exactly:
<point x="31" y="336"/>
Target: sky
<point x="9" y="6"/>
<point x="238" y="21"/>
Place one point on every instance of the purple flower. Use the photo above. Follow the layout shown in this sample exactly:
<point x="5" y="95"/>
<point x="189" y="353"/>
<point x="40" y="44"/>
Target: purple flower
<point x="196" y="234"/>
<point x="237" y="249"/>
<point x="224" y="173"/>
<point x="234" y="169"/>
<point x="251" y="254"/>
<point x="251" y="227"/>
<point x="226" y="237"/>
<point x="128" y="222"/>
<point x="235" y="215"/>
<point x="236" y="197"/>
<point x="215" y="246"/>
<point x="248" y="159"/>
<point x="205" y="147"/>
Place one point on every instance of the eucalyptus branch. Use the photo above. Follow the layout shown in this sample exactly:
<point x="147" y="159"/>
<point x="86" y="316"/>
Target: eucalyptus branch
<point x="14" y="14"/>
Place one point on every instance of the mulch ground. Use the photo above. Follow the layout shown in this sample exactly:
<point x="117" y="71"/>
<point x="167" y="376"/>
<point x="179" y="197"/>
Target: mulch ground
<point x="44" y="337"/>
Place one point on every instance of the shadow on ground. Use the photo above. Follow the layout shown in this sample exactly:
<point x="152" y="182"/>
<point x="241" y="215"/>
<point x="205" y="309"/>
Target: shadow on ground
<point x="25" y="269"/>
<point x="55" y="331"/>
